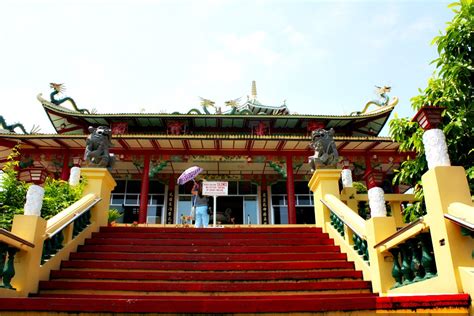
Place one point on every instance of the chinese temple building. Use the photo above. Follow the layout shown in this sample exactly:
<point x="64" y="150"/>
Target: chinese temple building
<point x="261" y="151"/>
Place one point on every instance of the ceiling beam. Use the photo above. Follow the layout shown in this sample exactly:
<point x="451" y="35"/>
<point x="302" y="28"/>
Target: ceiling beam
<point x="124" y="144"/>
<point x="61" y="143"/>
<point x="8" y="143"/>
<point x="280" y="145"/>
<point x="155" y="144"/>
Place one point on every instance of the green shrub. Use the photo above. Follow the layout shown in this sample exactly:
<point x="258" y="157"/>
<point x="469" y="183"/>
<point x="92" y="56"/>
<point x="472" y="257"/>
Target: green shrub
<point x="58" y="194"/>
<point x="12" y="191"/>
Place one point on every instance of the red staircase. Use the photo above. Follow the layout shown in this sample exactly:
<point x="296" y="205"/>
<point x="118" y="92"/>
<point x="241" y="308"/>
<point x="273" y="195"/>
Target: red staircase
<point x="221" y="270"/>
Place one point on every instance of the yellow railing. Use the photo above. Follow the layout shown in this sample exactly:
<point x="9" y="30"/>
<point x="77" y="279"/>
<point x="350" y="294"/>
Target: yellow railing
<point x="430" y="255"/>
<point x="42" y="245"/>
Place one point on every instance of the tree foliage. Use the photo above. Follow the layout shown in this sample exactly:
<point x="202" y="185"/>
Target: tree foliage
<point x="58" y="194"/>
<point x="452" y="87"/>
<point x="12" y="190"/>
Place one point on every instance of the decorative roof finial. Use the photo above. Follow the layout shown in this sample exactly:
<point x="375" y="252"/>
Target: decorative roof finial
<point x="254" y="90"/>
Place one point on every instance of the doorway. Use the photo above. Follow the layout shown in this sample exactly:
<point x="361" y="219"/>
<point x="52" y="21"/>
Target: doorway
<point x="230" y="210"/>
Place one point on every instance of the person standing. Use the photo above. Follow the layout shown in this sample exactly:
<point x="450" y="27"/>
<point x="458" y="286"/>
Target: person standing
<point x="201" y="203"/>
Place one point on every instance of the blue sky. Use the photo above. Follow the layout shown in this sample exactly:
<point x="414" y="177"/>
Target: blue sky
<point x="322" y="57"/>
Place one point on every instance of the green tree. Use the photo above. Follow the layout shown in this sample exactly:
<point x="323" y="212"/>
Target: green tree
<point x="58" y="194"/>
<point x="452" y="87"/>
<point x="12" y="190"/>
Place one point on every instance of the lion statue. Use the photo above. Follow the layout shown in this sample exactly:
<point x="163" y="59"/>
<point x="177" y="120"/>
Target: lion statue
<point x="325" y="151"/>
<point x="97" y="147"/>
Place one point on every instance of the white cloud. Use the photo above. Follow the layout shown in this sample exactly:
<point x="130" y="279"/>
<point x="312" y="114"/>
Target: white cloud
<point x="418" y="27"/>
<point x="252" y="45"/>
<point x="294" y="37"/>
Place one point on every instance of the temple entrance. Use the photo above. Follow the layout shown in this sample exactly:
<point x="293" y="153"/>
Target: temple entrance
<point x="236" y="210"/>
<point x="230" y="210"/>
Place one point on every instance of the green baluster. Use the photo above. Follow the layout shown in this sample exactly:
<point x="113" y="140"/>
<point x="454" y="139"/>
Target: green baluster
<point x="76" y="227"/>
<point x="331" y="217"/>
<point x="427" y="257"/>
<point x="85" y="220"/>
<point x="406" y="270"/>
<point x="354" y="240"/>
<point x="79" y="221"/>
<point x="9" y="269"/>
<point x="396" y="269"/>
<point x="57" y="242"/>
<point x="360" y="247"/>
<point x="60" y="240"/>
<point x="416" y="266"/>
<point x="366" y="250"/>
<point x="88" y="217"/>
<point x="46" y="250"/>
<point x="3" y="256"/>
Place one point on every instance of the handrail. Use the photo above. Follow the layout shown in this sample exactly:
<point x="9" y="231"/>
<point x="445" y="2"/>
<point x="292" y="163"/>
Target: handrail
<point x="14" y="237"/>
<point x="389" y="197"/>
<point x="360" y="234"/>
<point x="462" y="214"/>
<point x="72" y="219"/>
<point x="460" y="221"/>
<point x="401" y="231"/>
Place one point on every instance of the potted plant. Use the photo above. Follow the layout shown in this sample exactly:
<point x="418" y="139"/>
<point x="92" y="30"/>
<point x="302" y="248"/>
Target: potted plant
<point x="114" y="214"/>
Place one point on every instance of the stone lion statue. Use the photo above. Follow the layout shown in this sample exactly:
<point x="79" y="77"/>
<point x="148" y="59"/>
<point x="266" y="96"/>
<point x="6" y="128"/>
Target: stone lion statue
<point x="97" y="147"/>
<point x="325" y="151"/>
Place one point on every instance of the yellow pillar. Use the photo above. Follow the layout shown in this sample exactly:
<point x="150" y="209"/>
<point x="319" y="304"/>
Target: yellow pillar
<point x="101" y="183"/>
<point x="443" y="186"/>
<point x="324" y="181"/>
<point x="379" y="228"/>
<point x="27" y="263"/>
<point x="350" y="193"/>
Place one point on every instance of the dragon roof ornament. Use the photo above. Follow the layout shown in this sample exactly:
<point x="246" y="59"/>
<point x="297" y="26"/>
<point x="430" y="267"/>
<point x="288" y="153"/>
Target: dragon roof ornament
<point x="382" y="102"/>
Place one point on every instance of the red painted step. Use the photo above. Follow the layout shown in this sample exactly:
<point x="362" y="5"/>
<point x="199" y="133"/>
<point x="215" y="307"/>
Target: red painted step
<point x="205" y="286"/>
<point x="236" y="242"/>
<point x="206" y="235"/>
<point x="205" y="276"/>
<point x="209" y="249"/>
<point x="207" y="266"/>
<point x="193" y="305"/>
<point x="215" y="257"/>
<point x="232" y="304"/>
<point x="233" y="230"/>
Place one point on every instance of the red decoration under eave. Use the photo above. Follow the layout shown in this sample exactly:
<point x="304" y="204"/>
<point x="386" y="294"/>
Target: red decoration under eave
<point x="373" y="179"/>
<point x="429" y="117"/>
<point x="34" y="175"/>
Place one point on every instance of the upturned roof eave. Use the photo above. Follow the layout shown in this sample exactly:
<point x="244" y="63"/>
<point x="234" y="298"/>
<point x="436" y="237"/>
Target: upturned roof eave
<point x="62" y="110"/>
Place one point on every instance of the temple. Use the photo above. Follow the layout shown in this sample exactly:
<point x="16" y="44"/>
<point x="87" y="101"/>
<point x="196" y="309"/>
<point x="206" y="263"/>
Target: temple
<point x="260" y="150"/>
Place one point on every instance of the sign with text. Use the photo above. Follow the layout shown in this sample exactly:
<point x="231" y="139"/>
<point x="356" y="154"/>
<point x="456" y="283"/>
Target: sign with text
<point x="215" y="188"/>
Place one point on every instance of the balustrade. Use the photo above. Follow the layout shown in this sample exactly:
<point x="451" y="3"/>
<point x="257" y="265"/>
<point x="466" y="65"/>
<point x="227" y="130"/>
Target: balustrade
<point x="413" y="260"/>
<point x="7" y="268"/>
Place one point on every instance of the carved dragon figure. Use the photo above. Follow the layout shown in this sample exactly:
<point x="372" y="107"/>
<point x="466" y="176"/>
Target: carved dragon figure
<point x="11" y="128"/>
<point x="381" y="102"/>
<point x="234" y="104"/>
<point x="325" y="151"/>
<point x="59" y="88"/>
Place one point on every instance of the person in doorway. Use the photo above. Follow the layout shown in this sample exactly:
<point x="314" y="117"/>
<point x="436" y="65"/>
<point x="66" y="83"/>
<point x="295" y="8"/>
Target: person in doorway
<point x="200" y="202"/>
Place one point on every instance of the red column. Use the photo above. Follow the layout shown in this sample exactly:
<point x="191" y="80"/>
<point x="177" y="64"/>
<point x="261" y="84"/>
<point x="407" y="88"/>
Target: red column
<point x="369" y="174"/>
<point x="65" y="169"/>
<point x="169" y="213"/>
<point x="264" y="202"/>
<point x="290" y="190"/>
<point x="144" y="191"/>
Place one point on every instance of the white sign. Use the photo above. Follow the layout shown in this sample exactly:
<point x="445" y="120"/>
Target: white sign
<point x="215" y="188"/>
